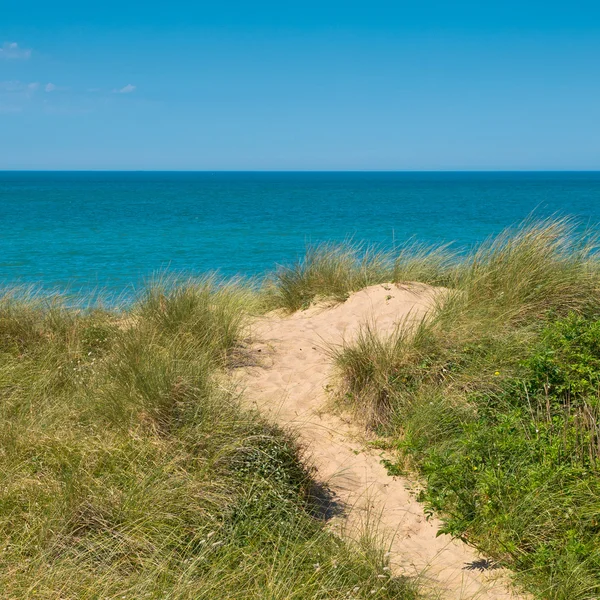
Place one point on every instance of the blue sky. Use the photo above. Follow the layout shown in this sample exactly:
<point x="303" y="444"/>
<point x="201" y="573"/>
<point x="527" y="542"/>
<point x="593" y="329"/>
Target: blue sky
<point x="303" y="85"/>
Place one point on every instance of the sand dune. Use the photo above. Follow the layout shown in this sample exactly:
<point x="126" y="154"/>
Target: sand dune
<point x="289" y="386"/>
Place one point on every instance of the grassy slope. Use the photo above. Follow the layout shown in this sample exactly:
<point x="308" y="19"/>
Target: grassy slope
<point x="129" y="470"/>
<point x="494" y="400"/>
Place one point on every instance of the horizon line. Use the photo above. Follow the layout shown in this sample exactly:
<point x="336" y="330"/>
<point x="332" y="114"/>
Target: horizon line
<point x="102" y="170"/>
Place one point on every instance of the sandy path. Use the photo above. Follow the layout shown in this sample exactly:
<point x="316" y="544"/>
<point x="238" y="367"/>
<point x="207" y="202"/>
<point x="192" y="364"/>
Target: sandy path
<point x="289" y="386"/>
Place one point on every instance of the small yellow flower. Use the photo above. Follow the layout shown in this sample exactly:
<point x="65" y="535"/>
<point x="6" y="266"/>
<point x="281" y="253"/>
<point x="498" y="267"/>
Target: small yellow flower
<point x="497" y="373"/>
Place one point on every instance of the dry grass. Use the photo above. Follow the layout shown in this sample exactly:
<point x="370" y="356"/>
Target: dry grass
<point x="333" y="271"/>
<point x="128" y="468"/>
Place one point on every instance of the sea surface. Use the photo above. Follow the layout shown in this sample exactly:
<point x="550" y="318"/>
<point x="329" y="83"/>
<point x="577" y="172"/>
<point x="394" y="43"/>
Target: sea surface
<point x="111" y="231"/>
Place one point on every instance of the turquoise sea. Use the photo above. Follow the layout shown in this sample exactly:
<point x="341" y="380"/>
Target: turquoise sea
<point x="84" y="231"/>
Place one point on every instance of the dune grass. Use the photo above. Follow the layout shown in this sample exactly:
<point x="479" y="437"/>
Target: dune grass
<point x="495" y="400"/>
<point x="330" y="272"/>
<point x="130" y="469"/>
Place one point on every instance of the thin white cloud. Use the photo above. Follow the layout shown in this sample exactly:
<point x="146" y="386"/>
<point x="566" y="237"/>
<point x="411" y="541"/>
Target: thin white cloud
<point x="12" y="51"/>
<point x="128" y="89"/>
<point x="16" y="87"/>
<point x="50" y="87"/>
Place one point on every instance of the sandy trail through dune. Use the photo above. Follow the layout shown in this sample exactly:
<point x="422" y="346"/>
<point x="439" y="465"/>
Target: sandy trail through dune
<point x="289" y="387"/>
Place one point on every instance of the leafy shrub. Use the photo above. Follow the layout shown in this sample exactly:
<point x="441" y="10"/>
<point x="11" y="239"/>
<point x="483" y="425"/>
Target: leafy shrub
<point x="520" y="477"/>
<point x="565" y="366"/>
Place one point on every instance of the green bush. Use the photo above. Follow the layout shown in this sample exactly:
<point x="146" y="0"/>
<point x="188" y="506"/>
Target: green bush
<point x="519" y="474"/>
<point x="565" y="366"/>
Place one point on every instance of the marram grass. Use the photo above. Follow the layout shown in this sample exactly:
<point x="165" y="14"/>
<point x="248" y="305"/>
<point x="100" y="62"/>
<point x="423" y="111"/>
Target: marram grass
<point x="332" y="272"/>
<point x="129" y="469"/>
<point x="494" y="400"/>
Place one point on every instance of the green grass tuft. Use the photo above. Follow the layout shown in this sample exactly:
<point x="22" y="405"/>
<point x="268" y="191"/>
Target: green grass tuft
<point x="332" y="271"/>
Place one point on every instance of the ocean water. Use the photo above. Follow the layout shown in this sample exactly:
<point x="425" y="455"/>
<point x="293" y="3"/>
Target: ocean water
<point x="85" y="231"/>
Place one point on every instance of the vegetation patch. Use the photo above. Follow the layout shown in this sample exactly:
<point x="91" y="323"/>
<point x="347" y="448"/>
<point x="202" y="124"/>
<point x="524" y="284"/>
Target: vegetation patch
<point x="129" y="469"/>
<point x="494" y="400"/>
<point x="331" y="272"/>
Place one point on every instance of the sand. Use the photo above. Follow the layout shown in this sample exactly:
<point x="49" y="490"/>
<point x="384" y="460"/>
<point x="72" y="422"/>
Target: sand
<point x="290" y="387"/>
